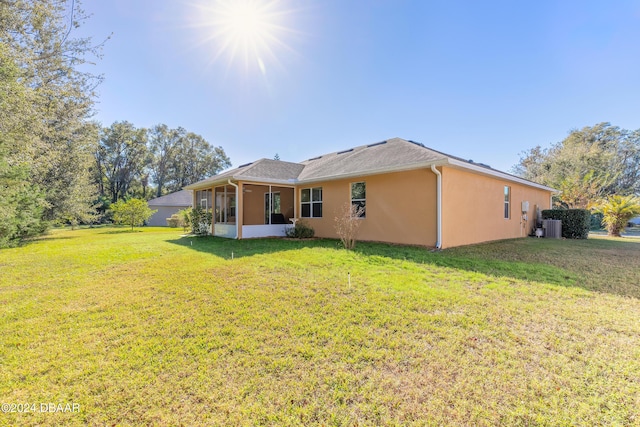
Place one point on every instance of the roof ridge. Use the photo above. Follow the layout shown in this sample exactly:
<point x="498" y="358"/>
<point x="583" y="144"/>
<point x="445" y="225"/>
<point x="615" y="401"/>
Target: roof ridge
<point x="250" y="165"/>
<point x="281" y="161"/>
<point x="351" y="149"/>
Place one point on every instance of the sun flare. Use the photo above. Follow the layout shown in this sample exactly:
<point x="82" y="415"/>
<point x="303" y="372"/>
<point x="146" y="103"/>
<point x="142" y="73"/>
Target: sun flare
<point x="246" y="31"/>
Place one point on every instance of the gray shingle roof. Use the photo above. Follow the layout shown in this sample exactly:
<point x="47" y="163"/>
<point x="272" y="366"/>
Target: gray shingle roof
<point x="263" y="169"/>
<point x="395" y="154"/>
<point x="271" y="169"/>
<point x="179" y="198"/>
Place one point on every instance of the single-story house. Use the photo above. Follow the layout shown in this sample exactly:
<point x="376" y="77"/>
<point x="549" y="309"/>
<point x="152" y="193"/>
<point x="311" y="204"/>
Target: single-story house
<point x="411" y="194"/>
<point x="168" y="205"/>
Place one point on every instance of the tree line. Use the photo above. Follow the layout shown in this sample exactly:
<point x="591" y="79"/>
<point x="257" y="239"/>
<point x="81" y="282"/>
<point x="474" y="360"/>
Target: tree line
<point x="56" y="164"/>
<point x="589" y="165"/>
<point x="146" y="163"/>
<point x="595" y="168"/>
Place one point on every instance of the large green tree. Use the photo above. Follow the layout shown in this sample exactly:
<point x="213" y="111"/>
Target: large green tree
<point x="46" y="103"/>
<point x="164" y="144"/>
<point x="121" y="158"/>
<point x="589" y="164"/>
<point x="195" y="159"/>
<point x="128" y="160"/>
<point x="21" y="201"/>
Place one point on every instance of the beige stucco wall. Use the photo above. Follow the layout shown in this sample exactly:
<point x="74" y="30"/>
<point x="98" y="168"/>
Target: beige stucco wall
<point x="400" y="207"/>
<point x="473" y="208"/>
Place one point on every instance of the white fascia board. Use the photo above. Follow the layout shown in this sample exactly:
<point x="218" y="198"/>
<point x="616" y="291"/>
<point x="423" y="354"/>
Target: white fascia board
<point x="414" y="166"/>
<point x="258" y="181"/>
<point x="497" y="174"/>
<point x="244" y="180"/>
<point x="208" y="184"/>
<point x="204" y="184"/>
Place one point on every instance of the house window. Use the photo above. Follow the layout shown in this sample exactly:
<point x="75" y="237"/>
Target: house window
<point x="311" y="202"/>
<point x="507" y="202"/>
<point x="359" y="197"/>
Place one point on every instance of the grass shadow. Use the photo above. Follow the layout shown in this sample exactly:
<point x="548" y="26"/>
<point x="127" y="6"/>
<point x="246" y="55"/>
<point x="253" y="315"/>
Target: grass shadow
<point x="600" y="265"/>
<point x="51" y="237"/>
<point x="479" y="263"/>
<point x="39" y="239"/>
<point x="120" y="231"/>
<point x="228" y="248"/>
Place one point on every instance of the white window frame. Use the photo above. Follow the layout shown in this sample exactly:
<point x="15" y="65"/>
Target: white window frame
<point x="311" y="202"/>
<point x="358" y="201"/>
<point x="507" y="202"/>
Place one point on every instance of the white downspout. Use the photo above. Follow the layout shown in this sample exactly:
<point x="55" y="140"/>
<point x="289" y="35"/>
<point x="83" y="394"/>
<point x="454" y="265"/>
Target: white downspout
<point x="237" y="215"/>
<point x="438" y="205"/>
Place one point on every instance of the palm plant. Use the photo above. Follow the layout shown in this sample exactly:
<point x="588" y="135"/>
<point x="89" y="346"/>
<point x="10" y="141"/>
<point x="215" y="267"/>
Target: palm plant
<point x="617" y="211"/>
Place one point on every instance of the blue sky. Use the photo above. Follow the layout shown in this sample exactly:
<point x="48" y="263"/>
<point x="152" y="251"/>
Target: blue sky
<point x="480" y="80"/>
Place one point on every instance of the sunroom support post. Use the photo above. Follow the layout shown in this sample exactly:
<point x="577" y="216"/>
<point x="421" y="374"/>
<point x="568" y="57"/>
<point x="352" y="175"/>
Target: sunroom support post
<point x="236" y="187"/>
<point x="270" y="204"/>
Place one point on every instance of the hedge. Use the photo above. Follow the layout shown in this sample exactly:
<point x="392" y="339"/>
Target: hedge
<point x="575" y="222"/>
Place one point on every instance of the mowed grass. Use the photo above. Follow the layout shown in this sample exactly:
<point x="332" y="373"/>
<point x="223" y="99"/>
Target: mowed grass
<point x="151" y="328"/>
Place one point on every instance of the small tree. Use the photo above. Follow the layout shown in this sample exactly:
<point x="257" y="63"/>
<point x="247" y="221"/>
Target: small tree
<point x="185" y="216"/>
<point x="348" y="222"/>
<point x="617" y="211"/>
<point x="132" y="212"/>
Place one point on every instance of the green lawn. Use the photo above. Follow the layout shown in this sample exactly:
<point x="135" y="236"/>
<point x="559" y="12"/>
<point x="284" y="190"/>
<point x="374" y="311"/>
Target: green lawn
<point x="151" y="328"/>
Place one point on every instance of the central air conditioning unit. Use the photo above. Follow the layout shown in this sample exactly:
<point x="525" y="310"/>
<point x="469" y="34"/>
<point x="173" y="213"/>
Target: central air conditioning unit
<point x="552" y="228"/>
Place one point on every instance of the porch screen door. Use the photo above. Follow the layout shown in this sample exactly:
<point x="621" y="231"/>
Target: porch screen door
<point x="271" y="206"/>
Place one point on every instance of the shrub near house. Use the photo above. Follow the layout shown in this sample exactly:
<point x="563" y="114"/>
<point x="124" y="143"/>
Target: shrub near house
<point x="575" y="222"/>
<point x="200" y="221"/>
<point x="300" y="231"/>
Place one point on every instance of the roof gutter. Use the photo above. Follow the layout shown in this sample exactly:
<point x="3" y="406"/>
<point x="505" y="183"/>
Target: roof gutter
<point x="415" y="166"/>
<point x="258" y="181"/>
<point x="247" y="179"/>
<point x="438" y="206"/>
<point x="498" y="174"/>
